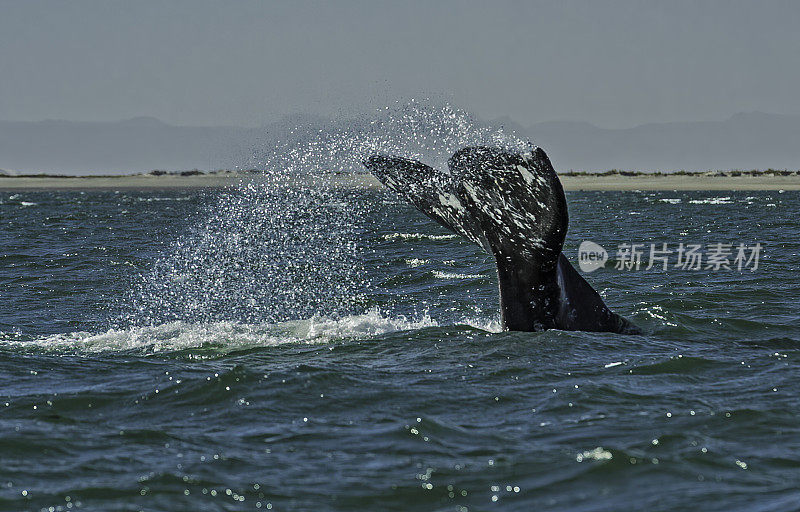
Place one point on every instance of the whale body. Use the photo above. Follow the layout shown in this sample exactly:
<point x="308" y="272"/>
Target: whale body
<point x="513" y="206"/>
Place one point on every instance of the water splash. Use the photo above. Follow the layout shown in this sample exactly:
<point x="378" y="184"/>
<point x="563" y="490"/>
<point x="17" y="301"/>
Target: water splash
<point x="289" y="244"/>
<point x="265" y="252"/>
<point x="225" y="336"/>
<point x="419" y="130"/>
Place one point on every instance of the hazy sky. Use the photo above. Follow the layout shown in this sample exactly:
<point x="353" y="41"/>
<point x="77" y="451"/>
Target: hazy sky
<point x="611" y="63"/>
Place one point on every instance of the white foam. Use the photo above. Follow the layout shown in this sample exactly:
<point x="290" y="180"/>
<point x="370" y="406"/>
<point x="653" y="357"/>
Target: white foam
<point x="229" y="335"/>
<point x="417" y="236"/>
<point x="416" y="262"/>
<point x="712" y="200"/>
<point x="451" y="275"/>
<point x="155" y="199"/>
<point x="598" y="453"/>
<point x="492" y="325"/>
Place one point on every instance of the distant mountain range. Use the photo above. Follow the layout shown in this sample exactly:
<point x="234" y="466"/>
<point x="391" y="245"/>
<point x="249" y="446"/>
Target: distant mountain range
<point x="744" y="141"/>
<point x="134" y="145"/>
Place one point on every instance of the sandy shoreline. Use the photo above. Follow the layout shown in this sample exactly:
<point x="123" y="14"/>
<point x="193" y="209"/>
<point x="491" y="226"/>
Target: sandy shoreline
<point x="692" y="182"/>
<point x="361" y="181"/>
<point x="137" y="181"/>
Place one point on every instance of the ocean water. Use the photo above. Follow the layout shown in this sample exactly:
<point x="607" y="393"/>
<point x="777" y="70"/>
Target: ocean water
<point x="265" y="348"/>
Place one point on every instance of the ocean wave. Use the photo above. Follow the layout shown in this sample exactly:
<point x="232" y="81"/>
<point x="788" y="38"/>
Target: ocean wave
<point x="174" y="336"/>
<point x="416" y="262"/>
<point x="452" y="275"/>
<point x="712" y="200"/>
<point x="417" y="236"/>
<point x="156" y="199"/>
<point x="225" y="337"/>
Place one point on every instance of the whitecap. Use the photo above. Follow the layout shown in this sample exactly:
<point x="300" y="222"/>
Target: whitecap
<point x="451" y="275"/>
<point x="229" y="336"/>
<point x="155" y="199"/>
<point x="598" y="453"/>
<point x="712" y="200"/>
<point x="417" y="236"/>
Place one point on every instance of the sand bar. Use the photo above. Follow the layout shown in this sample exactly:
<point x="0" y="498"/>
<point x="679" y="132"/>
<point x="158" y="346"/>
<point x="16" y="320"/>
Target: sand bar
<point x="364" y="181"/>
<point x="681" y="182"/>
<point x="136" y="181"/>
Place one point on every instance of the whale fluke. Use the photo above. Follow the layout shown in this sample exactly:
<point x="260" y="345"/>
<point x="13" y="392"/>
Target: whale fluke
<point x="513" y="206"/>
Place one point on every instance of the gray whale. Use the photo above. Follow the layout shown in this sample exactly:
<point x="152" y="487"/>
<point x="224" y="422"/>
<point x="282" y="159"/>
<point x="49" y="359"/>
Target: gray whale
<point x="513" y="206"/>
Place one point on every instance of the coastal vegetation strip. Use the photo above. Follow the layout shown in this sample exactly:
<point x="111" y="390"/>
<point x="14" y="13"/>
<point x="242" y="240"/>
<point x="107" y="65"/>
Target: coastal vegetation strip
<point x="769" y="179"/>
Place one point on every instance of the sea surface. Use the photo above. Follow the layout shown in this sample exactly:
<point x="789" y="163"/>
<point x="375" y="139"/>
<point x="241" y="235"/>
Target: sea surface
<point x="266" y="348"/>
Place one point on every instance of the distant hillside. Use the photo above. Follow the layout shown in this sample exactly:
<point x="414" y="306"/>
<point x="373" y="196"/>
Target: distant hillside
<point x="135" y="145"/>
<point x="745" y="141"/>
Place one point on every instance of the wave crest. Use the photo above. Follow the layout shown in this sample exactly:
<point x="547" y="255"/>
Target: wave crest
<point x="178" y="335"/>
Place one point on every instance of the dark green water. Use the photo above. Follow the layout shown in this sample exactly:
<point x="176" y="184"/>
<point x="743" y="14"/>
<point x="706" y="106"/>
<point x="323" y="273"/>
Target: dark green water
<point x="252" y="350"/>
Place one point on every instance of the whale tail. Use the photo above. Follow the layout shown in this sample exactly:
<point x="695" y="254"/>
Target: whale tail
<point x="513" y="206"/>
